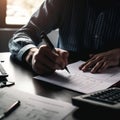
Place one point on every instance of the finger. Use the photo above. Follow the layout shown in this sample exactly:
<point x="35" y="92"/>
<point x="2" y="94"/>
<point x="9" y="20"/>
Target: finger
<point x="88" y="65"/>
<point x="81" y="66"/>
<point x="97" y="67"/>
<point x="64" y="54"/>
<point x="40" y="59"/>
<point x="59" y="58"/>
<point x="50" y="57"/>
<point x="49" y="62"/>
<point x="41" y="69"/>
<point x="87" y="62"/>
<point x="103" y="67"/>
<point x="52" y="61"/>
<point x="53" y="64"/>
<point x="56" y="60"/>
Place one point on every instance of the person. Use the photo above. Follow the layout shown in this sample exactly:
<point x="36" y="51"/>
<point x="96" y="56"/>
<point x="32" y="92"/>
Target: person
<point x="89" y="30"/>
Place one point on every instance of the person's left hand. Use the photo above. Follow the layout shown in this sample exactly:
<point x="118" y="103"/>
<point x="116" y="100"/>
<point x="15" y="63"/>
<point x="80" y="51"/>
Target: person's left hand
<point x="100" y="62"/>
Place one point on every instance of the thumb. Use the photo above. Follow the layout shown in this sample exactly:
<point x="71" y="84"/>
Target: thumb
<point x="65" y="56"/>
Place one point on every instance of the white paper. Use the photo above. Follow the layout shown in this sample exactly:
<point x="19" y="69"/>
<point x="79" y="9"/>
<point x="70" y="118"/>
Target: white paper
<point x="33" y="107"/>
<point x="84" y="82"/>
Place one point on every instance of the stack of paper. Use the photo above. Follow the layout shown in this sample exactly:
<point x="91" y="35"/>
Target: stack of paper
<point x="33" y="107"/>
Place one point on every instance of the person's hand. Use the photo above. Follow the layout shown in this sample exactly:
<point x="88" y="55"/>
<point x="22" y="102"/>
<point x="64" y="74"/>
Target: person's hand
<point x="100" y="62"/>
<point x="46" y="61"/>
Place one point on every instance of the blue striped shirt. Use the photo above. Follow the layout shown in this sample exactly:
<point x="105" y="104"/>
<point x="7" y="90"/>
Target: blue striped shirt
<point x="83" y="29"/>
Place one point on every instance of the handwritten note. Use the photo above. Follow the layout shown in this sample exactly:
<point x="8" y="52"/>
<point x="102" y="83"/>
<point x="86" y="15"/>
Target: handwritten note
<point x="84" y="82"/>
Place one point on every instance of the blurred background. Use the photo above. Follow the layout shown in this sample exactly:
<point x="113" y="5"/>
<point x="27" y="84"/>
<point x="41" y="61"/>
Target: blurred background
<point x="13" y="15"/>
<point x="17" y="12"/>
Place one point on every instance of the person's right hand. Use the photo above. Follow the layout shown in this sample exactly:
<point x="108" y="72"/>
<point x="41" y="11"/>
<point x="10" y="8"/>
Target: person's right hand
<point x="44" y="60"/>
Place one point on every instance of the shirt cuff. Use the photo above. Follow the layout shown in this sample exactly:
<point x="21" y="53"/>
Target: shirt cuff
<point x="23" y="50"/>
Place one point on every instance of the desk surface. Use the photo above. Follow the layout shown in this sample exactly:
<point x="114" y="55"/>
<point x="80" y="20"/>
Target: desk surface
<point x="24" y="81"/>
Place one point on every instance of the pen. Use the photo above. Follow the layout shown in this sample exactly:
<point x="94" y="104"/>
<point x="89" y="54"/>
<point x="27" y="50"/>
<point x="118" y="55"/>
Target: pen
<point x="10" y="110"/>
<point x="48" y="42"/>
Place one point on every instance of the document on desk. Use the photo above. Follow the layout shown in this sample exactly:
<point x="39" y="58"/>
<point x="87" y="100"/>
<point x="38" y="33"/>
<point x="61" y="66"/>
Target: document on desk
<point x="83" y="82"/>
<point x="33" y="107"/>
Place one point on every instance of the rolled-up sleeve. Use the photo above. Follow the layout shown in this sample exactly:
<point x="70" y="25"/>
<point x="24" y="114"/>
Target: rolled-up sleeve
<point x="19" y="45"/>
<point x="46" y="18"/>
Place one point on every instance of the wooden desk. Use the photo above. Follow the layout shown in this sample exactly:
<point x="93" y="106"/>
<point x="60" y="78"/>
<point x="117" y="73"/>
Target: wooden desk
<point x="24" y="81"/>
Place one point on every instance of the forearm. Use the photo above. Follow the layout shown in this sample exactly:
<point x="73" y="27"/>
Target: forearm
<point x="18" y="45"/>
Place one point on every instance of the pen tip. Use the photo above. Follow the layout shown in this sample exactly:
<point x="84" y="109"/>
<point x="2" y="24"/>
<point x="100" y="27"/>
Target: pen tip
<point x="67" y="70"/>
